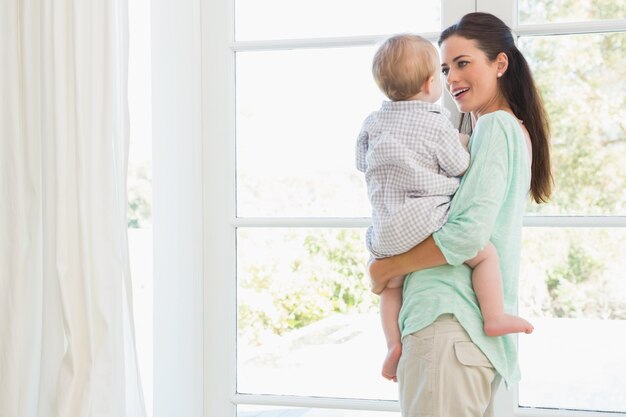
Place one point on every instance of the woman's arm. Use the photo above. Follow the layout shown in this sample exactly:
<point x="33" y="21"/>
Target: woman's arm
<point x="423" y="256"/>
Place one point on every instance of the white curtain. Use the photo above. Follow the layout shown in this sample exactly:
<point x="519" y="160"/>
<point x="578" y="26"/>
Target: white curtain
<point x="66" y="333"/>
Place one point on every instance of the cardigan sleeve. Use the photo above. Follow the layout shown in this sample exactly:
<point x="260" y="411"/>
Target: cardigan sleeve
<point x="475" y="206"/>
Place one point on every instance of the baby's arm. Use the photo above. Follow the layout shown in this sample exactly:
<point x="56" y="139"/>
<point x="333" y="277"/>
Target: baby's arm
<point x="452" y="154"/>
<point x="464" y="139"/>
<point x="362" y="145"/>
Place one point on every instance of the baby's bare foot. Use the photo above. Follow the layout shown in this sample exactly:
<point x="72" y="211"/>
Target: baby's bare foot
<point x="390" y="365"/>
<point x="506" y="323"/>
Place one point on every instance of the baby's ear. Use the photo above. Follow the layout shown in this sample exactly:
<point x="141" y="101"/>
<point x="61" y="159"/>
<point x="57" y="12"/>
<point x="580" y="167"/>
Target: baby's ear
<point x="428" y="85"/>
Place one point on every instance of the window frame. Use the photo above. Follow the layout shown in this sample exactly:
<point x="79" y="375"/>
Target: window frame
<point x="178" y="369"/>
<point x="193" y="65"/>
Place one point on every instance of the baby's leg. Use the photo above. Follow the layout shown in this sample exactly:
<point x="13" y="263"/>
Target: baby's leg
<point x="390" y="303"/>
<point x="487" y="283"/>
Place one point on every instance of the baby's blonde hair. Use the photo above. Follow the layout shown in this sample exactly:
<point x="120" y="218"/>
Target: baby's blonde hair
<point x="402" y="65"/>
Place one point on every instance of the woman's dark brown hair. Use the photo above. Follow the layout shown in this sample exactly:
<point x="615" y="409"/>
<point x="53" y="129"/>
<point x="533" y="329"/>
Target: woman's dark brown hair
<point x="493" y="36"/>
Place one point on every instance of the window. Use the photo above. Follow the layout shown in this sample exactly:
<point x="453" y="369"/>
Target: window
<point x="289" y="321"/>
<point x="307" y="324"/>
<point x="562" y="11"/>
<point x="572" y="273"/>
<point x="256" y="21"/>
<point x="296" y="114"/>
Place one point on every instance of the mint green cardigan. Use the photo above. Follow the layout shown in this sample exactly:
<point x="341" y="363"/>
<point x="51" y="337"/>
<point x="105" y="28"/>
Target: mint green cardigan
<point x="488" y="206"/>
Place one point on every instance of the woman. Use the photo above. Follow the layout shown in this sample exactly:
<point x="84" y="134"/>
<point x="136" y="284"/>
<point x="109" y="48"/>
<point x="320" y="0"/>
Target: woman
<point x="449" y="367"/>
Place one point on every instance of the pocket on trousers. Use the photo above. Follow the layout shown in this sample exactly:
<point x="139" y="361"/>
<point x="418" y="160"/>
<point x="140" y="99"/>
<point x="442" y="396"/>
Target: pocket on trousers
<point x="470" y="355"/>
<point x="418" y="345"/>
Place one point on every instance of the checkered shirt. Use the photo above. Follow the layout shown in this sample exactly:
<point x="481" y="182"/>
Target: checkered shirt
<point x="412" y="157"/>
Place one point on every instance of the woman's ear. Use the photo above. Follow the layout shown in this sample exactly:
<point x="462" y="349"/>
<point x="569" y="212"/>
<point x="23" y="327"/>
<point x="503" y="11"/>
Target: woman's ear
<point x="502" y="63"/>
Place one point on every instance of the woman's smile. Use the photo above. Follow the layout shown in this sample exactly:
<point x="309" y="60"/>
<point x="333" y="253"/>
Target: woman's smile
<point x="459" y="92"/>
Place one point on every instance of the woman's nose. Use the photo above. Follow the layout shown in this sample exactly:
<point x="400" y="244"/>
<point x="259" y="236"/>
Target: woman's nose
<point x="451" y="77"/>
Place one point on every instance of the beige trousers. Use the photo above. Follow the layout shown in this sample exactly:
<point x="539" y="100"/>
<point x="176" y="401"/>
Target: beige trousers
<point x="442" y="373"/>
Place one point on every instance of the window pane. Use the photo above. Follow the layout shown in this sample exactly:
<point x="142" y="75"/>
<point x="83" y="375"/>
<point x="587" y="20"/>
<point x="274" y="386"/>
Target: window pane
<point x="572" y="288"/>
<point x="583" y="81"/>
<point x="298" y="116"/>
<point x="262" y="411"/>
<point x="285" y="19"/>
<point x="554" y="11"/>
<point x="307" y="322"/>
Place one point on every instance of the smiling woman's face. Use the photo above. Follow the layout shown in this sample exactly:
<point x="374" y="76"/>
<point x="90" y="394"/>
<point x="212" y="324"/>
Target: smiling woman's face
<point x="470" y="77"/>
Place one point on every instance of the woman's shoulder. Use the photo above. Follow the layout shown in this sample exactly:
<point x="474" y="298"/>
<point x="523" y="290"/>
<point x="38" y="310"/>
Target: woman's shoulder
<point x="497" y="126"/>
<point x="500" y="118"/>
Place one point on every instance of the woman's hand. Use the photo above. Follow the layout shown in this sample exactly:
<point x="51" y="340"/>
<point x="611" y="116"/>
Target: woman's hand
<point x="423" y="256"/>
<point x="380" y="272"/>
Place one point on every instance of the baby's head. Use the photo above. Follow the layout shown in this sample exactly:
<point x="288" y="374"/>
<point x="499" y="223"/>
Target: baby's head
<point x="403" y="64"/>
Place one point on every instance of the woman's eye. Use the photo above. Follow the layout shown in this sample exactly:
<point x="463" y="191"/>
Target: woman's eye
<point x="462" y="63"/>
<point x="445" y="71"/>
